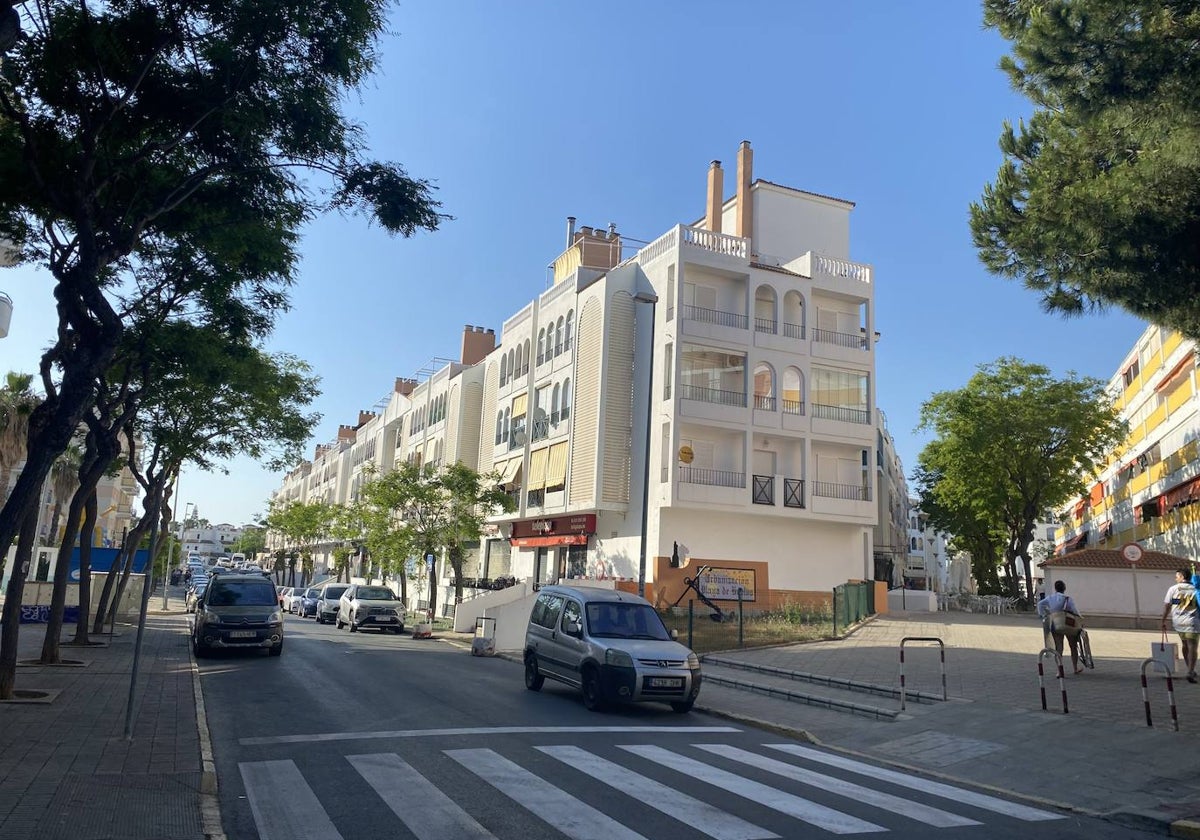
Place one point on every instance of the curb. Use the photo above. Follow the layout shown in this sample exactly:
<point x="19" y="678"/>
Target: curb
<point x="210" y="803"/>
<point x="1185" y="828"/>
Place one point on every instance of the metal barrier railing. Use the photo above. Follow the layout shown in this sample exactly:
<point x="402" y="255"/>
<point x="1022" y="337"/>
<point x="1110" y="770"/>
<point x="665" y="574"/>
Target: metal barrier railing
<point x="1062" y="677"/>
<point x="1170" y="693"/>
<point x="942" y="651"/>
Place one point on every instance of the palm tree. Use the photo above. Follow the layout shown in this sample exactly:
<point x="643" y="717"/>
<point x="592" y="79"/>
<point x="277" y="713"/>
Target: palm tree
<point x="17" y="401"/>
<point x="64" y="478"/>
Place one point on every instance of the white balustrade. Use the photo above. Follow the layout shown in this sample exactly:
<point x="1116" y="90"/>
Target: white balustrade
<point x="835" y="267"/>
<point x="719" y="243"/>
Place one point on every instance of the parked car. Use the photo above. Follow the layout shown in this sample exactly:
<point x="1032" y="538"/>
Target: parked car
<point x="194" y="593"/>
<point x="238" y="611"/>
<point x="610" y="645"/>
<point x="363" y="606"/>
<point x="329" y="600"/>
<point x="291" y="602"/>
<point x="284" y="592"/>
<point x="308" y="602"/>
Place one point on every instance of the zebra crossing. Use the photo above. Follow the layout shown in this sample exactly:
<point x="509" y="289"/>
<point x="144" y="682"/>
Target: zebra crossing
<point x="720" y="779"/>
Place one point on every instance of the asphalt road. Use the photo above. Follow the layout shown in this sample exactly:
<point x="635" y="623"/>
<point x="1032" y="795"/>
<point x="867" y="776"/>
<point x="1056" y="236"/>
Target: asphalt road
<point x="371" y="736"/>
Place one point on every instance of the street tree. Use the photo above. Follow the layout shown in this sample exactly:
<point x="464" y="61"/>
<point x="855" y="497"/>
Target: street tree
<point x="1097" y="202"/>
<point x="1010" y="445"/>
<point x="302" y="525"/>
<point x="211" y="132"/>
<point x="17" y="402"/>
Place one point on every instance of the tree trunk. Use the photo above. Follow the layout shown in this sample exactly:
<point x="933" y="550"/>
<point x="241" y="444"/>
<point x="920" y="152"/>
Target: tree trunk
<point x="10" y="624"/>
<point x="456" y="564"/>
<point x="85" y="572"/>
<point x="54" y="517"/>
<point x="432" y="585"/>
<point x="1028" y="578"/>
<point x="89" y="476"/>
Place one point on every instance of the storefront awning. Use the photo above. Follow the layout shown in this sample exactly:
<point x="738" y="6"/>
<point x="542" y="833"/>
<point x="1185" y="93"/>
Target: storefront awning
<point x="1180" y="495"/>
<point x="537" y="469"/>
<point x="539" y="542"/>
<point x="556" y="468"/>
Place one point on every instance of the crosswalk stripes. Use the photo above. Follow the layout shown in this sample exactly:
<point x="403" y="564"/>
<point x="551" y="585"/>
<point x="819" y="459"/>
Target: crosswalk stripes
<point x="979" y="800"/>
<point x="285" y="807"/>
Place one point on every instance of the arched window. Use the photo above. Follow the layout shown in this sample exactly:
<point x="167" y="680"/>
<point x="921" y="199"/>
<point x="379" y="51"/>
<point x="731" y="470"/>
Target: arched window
<point x="554" y="403"/>
<point x="541" y="346"/>
<point x="525" y="357"/>
<point x="792" y="397"/>
<point x="507" y="422"/>
<point x="499" y="425"/>
<point x="558" y="337"/>
<point x="566" y="399"/>
<point x="568" y="330"/>
<point x="503" y="370"/>
<point x="913" y="544"/>
<point x="764" y="387"/>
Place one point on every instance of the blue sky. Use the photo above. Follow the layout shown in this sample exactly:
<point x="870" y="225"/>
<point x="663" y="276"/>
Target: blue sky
<point x="526" y="113"/>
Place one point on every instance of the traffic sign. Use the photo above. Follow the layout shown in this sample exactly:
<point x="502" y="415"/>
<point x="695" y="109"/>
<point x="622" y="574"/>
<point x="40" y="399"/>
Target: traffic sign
<point x="1131" y="552"/>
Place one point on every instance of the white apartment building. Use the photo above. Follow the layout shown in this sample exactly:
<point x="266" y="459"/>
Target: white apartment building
<point x="213" y="541"/>
<point x="891" y="531"/>
<point x="725" y="373"/>
<point x="928" y="562"/>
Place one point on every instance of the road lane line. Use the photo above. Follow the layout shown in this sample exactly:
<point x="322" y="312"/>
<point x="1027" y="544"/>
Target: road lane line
<point x="420" y="805"/>
<point x="572" y="817"/>
<point x="266" y="740"/>
<point x="765" y="795"/>
<point x="284" y="806"/>
<point x="896" y="804"/>
<point x="961" y="795"/>
<point x="691" y="811"/>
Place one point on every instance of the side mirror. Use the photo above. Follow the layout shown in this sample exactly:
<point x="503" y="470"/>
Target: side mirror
<point x="674" y="635"/>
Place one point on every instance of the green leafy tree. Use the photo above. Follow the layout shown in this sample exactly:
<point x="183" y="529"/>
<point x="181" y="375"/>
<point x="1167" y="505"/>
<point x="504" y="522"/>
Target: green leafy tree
<point x="1011" y="444"/>
<point x="1097" y="202"/>
<point x="252" y="541"/>
<point x="302" y="525"/>
<point x="205" y="133"/>
<point x="17" y="402"/>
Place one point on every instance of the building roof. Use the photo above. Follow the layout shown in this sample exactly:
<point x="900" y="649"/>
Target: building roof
<point x="780" y="269"/>
<point x="1110" y="558"/>
<point x="806" y="192"/>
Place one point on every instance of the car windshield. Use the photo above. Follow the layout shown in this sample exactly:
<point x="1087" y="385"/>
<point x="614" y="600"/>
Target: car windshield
<point x="242" y="593"/>
<point x="334" y="592"/>
<point x="311" y="593"/>
<point x="620" y="620"/>
<point x="374" y="593"/>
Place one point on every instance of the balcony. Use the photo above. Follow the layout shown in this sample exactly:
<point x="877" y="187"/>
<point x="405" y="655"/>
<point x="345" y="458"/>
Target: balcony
<point x="855" y="341"/>
<point x="762" y="489"/>
<point x="717" y="317"/>
<point x="792" y="330"/>
<point x="763" y="402"/>
<point x="540" y="429"/>
<point x="792" y="406"/>
<point x="717" y="243"/>
<point x="712" y="395"/>
<point x="711" y="478"/>
<point x="793" y="492"/>
<point x="840" y="414"/>
<point x="766" y="325"/>
<point x="845" y="492"/>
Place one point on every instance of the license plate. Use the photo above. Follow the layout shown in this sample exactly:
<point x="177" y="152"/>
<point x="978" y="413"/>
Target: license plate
<point x="666" y="682"/>
<point x="242" y="634"/>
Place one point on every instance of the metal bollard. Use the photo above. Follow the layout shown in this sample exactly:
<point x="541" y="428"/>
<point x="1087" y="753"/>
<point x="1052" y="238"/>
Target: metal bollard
<point x="1170" y="693"/>
<point x="941" y="646"/>
<point x="1062" y="677"/>
<point x="691" y="624"/>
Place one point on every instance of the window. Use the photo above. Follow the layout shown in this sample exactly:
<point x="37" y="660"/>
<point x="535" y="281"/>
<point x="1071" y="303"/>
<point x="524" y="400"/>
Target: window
<point x="571" y="615"/>
<point x="668" y="369"/>
<point x="503" y="370"/>
<point x="566" y="399"/>
<point x="568" y="330"/>
<point x="1130" y="373"/>
<point x="554" y="404"/>
<point x="558" y="337"/>
<point x="506" y="423"/>
<point x="541" y="357"/>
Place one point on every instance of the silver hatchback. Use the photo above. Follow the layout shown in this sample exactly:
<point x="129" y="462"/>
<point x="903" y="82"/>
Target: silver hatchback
<point x="610" y="645"/>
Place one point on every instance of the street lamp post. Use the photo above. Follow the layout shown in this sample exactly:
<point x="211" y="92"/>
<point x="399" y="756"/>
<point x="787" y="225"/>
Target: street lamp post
<point x="652" y="299"/>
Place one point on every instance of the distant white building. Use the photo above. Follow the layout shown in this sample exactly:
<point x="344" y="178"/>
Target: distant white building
<point x="928" y="562"/>
<point x="214" y="541"/>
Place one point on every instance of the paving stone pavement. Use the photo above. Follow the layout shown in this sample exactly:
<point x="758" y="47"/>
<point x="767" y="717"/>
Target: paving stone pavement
<point x="66" y="769"/>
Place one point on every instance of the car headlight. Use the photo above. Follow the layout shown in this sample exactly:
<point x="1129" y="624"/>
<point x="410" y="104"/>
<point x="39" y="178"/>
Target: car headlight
<point x="275" y="618"/>
<point x="618" y="658"/>
<point x="210" y="618"/>
<point x="693" y="661"/>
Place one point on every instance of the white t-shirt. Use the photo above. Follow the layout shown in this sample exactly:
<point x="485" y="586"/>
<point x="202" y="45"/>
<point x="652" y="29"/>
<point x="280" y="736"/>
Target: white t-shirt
<point x="1185" y="616"/>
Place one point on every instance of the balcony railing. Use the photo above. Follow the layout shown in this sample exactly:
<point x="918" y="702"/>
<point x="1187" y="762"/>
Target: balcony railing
<point x="793" y="492"/>
<point x="792" y="406"/>
<point x="762" y="489"/>
<point x="858" y="341"/>
<point x="765" y="325"/>
<point x="793" y="330"/>
<point x="720" y="243"/>
<point x="536" y="498"/>
<point x="764" y="403"/>
<point x="713" y="478"/>
<point x="540" y="429"/>
<point x="712" y="395"/>
<point x="715" y="316"/>
<point x="845" y="415"/>
<point x="849" y="492"/>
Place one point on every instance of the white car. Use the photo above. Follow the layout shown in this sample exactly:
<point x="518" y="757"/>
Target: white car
<point x="364" y="606"/>
<point x="291" y="601"/>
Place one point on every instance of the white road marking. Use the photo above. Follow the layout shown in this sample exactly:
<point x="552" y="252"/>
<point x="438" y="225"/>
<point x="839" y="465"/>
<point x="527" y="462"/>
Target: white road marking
<point x="428" y="813"/>
<point x="691" y="811"/>
<point x="284" y="806"/>
<point x="966" y="797"/>
<point x="482" y="730"/>
<point x="777" y="800"/>
<point x="896" y="804"/>
<point x="574" y="818"/>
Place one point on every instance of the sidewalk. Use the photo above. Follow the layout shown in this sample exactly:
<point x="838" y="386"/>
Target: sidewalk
<point x="1099" y="759"/>
<point x="66" y="770"/>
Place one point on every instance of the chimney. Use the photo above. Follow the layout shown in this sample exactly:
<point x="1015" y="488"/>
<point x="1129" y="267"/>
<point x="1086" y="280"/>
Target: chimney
<point x="745" y="211"/>
<point x="570" y="231"/>
<point x="346" y="433"/>
<point x="405" y="387"/>
<point x="363" y="417"/>
<point x="476" y="344"/>
<point x="716" y="196"/>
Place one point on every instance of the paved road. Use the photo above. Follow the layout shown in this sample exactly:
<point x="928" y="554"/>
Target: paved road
<point x="361" y="735"/>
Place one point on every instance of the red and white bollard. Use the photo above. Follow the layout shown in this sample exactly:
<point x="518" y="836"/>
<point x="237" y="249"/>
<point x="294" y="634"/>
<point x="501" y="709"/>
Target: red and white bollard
<point x="1062" y="677"/>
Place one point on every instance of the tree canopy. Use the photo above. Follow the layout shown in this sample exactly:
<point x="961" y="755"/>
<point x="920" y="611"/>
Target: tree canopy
<point x="1097" y="202"/>
<point x="1013" y="443"/>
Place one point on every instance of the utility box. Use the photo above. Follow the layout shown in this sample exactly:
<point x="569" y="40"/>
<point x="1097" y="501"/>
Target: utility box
<point x="484" y="643"/>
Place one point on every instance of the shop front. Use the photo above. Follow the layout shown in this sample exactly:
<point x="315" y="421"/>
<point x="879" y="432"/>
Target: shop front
<point x="559" y="545"/>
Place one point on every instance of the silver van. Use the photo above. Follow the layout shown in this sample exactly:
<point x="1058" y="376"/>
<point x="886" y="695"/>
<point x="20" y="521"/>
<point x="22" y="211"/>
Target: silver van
<point x="610" y="645"/>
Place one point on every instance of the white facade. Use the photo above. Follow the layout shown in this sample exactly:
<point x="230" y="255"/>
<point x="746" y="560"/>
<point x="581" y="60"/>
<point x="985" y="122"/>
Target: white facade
<point x="928" y="563"/>
<point x="214" y="541"/>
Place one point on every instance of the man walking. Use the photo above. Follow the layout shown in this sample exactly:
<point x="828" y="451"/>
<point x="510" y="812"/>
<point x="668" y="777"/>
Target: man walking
<point x="1180" y="604"/>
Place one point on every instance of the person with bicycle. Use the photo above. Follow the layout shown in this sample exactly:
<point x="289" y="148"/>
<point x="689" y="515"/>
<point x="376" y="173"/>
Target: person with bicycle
<point x="1059" y="611"/>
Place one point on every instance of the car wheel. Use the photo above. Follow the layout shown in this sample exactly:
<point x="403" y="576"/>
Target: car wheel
<point x="682" y="706"/>
<point x="533" y="678"/>
<point x="593" y="698"/>
<point x="276" y="650"/>
<point x="198" y="650"/>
